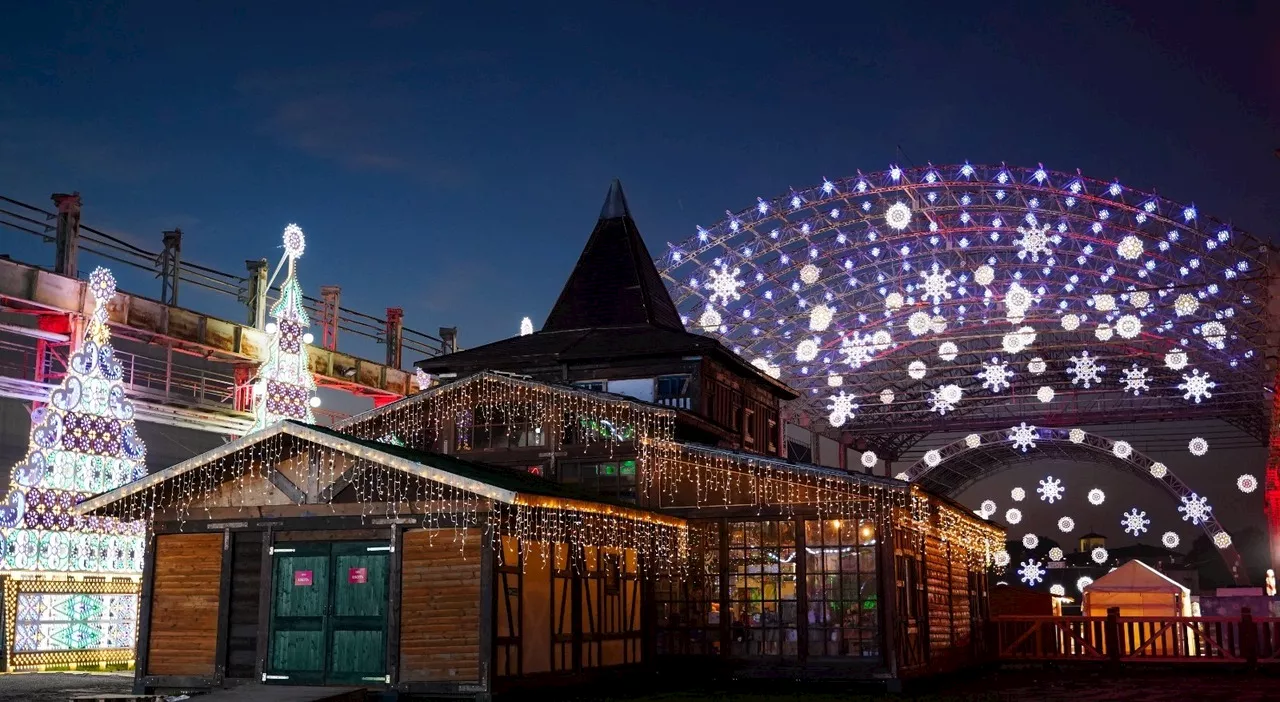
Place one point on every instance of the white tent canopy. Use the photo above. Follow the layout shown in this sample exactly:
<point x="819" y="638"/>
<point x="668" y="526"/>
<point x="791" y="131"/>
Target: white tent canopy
<point x="1139" y="591"/>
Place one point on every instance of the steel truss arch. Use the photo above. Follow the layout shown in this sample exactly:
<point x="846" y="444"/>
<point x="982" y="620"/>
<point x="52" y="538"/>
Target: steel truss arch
<point x="836" y="289"/>
<point x="950" y="469"/>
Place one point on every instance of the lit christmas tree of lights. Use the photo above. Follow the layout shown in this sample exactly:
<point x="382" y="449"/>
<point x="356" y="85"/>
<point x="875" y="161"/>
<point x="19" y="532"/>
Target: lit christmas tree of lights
<point x="83" y="442"/>
<point x="285" y="387"/>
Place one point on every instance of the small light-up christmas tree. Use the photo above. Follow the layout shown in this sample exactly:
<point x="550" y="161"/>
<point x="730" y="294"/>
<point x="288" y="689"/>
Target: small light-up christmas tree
<point x="285" y="388"/>
<point x="83" y="442"/>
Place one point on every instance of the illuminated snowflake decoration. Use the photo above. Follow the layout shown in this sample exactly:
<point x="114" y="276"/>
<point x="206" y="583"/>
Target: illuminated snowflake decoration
<point x="945" y="398"/>
<point x="1013" y="515"/>
<point x="1018" y="494"/>
<point x="810" y="274"/>
<point x="886" y="397"/>
<point x="820" y="317"/>
<point x="1045" y="394"/>
<point x="1016" y="301"/>
<point x="1196" y="386"/>
<point x="1036" y="366"/>
<point x="995" y="375"/>
<point x="1070" y="322"/>
<point x="102" y="284"/>
<point x="1214" y="333"/>
<point x="1170" y="539"/>
<point x="869" y="459"/>
<point x="1103" y="332"/>
<point x="1085" y="370"/>
<point x="1056" y="554"/>
<point x="1002" y="558"/>
<point x="1128" y="326"/>
<point x="1185" y="304"/>
<point x="1099" y="555"/>
<point x="526" y="326"/>
<point x="917" y="369"/>
<point x="919" y="323"/>
<point x="1246" y="483"/>
<point x="898" y="216"/>
<point x="835" y="381"/>
<point x="1158" y="470"/>
<point x="937" y="284"/>
<point x="1195" y="508"/>
<point x="1051" y="489"/>
<point x="710" y="319"/>
<point x="894" y="301"/>
<point x="902" y="476"/>
<point x="295" y="242"/>
<point x="1222" y="539"/>
<point x="1023" y="437"/>
<point x="1176" y="359"/>
<point x="724" y="284"/>
<point x="842" y="408"/>
<point x="1031" y="572"/>
<point x="1096" y="497"/>
<point x="857" y="349"/>
<point x="987" y="508"/>
<point x="1135" y="380"/>
<point x="1030" y="541"/>
<point x="1016" y="341"/>
<point x="770" y="369"/>
<point x="1198" y="446"/>
<point x="948" y="351"/>
<point x="1083" y="582"/>
<point x="1076" y="436"/>
<point x="1135" y="522"/>
<point x="1140" y="299"/>
<point x="807" y="350"/>
<point x="973" y="441"/>
<point x="1066" y="525"/>
<point x="1034" y="242"/>
<point x="1057" y="590"/>
<point x="932" y="458"/>
<point x="984" y="275"/>
<point x="1129" y="248"/>
<point x="1104" y="302"/>
<point x="1121" y="449"/>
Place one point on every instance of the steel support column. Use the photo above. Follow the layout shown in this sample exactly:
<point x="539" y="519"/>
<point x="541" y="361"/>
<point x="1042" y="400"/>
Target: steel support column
<point x="170" y="264"/>
<point x="395" y="336"/>
<point x="256" y="296"/>
<point x="330" y="300"/>
<point x="68" y="233"/>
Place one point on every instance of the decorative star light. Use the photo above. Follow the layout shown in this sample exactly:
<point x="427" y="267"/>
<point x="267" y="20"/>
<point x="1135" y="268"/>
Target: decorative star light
<point x="973" y="441"/>
<point x="1185" y="304"/>
<point x="1196" y="386"/>
<point x="423" y="378"/>
<point x="1099" y="555"/>
<point x="945" y="398"/>
<point x="1085" y="370"/>
<point x="1121" y="449"/>
<point x="995" y="375"/>
<point x="869" y="459"/>
<point x="1066" y="525"/>
<point x="1096" y="497"/>
<point x="1083" y="582"/>
<point x="1057" y="590"/>
<point x="1051" y="489"/>
<point x="1023" y="437"/>
<point x="1129" y="248"/>
<point x="1195" y="508"/>
<point x="1198" y="446"/>
<point x="842" y="408"/>
<point x="1045" y="394"/>
<point x="820" y="317"/>
<point x="1222" y="539"/>
<point x="1056" y="554"/>
<point x="1170" y="539"/>
<point x="1034" y="241"/>
<point x="937" y="283"/>
<point x="1158" y="470"/>
<point x="1013" y="515"/>
<point x="898" y="216"/>
<point x="1135" y="522"/>
<point x="917" y="369"/>
<point x="1246" y="483"/>
<point x="724" y="284"/>
<point x="1135" y="380"/>
<point x="1128" y="326"/>
<point x="1030" y="541"/>
<point x="526" y="326"/>
<point x="1176" y="359"/>
<point x="947" y="351"/>
<point x="1031" y="572"/>
<point x="886" y="397"/>
<point x="1002" y="558"/>
<point x="806" y="350"/>
<point x="1018" y="494"/>
<point x="1036" y="366"/>
<point x="1076" y="436"/>
<point x="810" y="274"/>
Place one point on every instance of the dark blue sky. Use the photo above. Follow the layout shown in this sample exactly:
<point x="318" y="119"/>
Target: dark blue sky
<point x="450" y="158"/>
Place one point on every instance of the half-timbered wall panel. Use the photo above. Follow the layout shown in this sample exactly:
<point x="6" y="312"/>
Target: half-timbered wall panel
<point x="440" y="606"/>
<point x="537" y="612"/>
<point x="184" y="605"/>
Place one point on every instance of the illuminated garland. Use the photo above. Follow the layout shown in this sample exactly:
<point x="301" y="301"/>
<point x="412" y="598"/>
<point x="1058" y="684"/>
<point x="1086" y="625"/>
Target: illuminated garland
<point x="83" y="442"/>
<point x="285" y="387"/>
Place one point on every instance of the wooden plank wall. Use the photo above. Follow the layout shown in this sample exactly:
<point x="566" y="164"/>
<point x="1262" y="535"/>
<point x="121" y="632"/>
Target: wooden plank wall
<point x="440" y="606"/>
<point x="184" y="605"/>
<point x="246" y="584"/>
<point x="938" y="586"/>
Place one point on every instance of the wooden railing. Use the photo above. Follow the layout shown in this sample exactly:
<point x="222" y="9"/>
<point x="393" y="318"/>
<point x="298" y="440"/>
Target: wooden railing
<point x="1242" y="640"/>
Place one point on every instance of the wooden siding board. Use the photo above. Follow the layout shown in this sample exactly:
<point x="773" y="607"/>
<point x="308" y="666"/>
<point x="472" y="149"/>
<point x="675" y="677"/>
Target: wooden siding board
<point x="184" y="605"/>
<point x="440" y="607"/>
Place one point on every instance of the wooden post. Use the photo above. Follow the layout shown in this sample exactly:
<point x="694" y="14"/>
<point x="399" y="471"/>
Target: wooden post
<point x="488" y="609"/>
<point x="266" y="587"/>
<point x="144" y="614"/>
<point x="1111" y="635"/>
<point x="224" y="609"/>
<point x="393" y="603"/>
<point x="1248" y="637"/>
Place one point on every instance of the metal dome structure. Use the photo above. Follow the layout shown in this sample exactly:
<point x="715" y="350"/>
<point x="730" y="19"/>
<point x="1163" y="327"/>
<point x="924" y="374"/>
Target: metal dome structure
<point x="965" y="297"/>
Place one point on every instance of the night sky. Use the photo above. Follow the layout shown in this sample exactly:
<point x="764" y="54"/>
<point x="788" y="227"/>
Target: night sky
<point x="450" y="158"/>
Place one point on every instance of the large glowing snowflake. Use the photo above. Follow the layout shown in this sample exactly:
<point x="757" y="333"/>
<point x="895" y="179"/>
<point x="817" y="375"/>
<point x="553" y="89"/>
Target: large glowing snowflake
<point x="1085" y="369"/>
<point x="937" y="283"/>
<point x="1170" y="539"/>
<point x="1036" y="366"/>
<point x="1128" y="326"/>
<point x="919" y="323"/>
<point x="1134" y="522"/>
<point x="1099" y="555"/>
<point x="1018" y="340"/>
<point x="820" y="317"/>
<point x="1051" y="489"/>
<point x="807" y="350"/>
<point x="710" y="319"/>
<point x="1083" y="582"/>
<point x="948" y="351"/>
<point x="995" y="375"/>
<point x="1016" y="301"/>
<point x="1176" y="359"/>
<point x="858" y="349"/>
<point x="1214" y="333"/>
<point x="898" y="216"/>
<point x="1246" y="483"/>
<point x="810" y="274"/>
<point x="842" y="408"/>
<point x="1002" y="558"/>
<point x="1034" y="241"/>
<point x="1198" y="446"/>
<point x="1066" y="525"/>
<point x="945" y="398"/>
<point x="1135" y="380"/>
<point x="987" y="508"/>
<point x="1057" y="590"/>
<point x="1013" y="515"/>
<point x="916" y="369"/>
<point x="1056" y="554"/>
<point x="1222" y="539"/>
<point x="1129" y="248"/>
<point x="724" y="284"/>
<point x="1196" y="386"/>
<point x="1096" y="497"/>
<point x="973" y="440"/>
<point x="1023" y="436"/>
<point x="869" y="459"/>
<point x="1018" y="494"/>
<point x="1031" y="572"/>
<point x="1195" y="508"/>
<point x="1185" y="304"/>
<point x="1030" y="541"/>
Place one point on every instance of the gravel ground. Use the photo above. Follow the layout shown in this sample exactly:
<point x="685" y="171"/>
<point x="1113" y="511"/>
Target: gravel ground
<point x="60" y="687"/>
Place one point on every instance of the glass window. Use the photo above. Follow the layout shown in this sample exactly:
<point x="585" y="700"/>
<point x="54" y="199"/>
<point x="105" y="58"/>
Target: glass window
<point x="495" y="428"/>
<point x="616" y="479"/>
<point x="596" y="385"/>
<point x="688" y="609"/>
<point x="762" y="588"/>
<point x="843" y="602"/>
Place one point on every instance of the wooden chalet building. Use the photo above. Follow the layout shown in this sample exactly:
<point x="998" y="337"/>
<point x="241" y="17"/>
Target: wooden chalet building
<point x="607" y="493"/>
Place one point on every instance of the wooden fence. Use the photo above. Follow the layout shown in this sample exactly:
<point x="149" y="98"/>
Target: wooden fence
<point x="1245" y="640"/>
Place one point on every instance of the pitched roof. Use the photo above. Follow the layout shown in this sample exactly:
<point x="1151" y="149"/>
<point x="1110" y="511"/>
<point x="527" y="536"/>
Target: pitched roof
<point x="1136" y="576"/>
<point x="614" y="283"/>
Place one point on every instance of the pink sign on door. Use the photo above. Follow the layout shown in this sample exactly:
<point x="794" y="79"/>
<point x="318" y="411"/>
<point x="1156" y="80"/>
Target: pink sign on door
<point x="357" y="576"/>
<point x="302" y="578"/>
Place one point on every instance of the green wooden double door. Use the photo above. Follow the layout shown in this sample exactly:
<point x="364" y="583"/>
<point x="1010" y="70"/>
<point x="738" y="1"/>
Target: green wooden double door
<point x="328" y="613"/>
